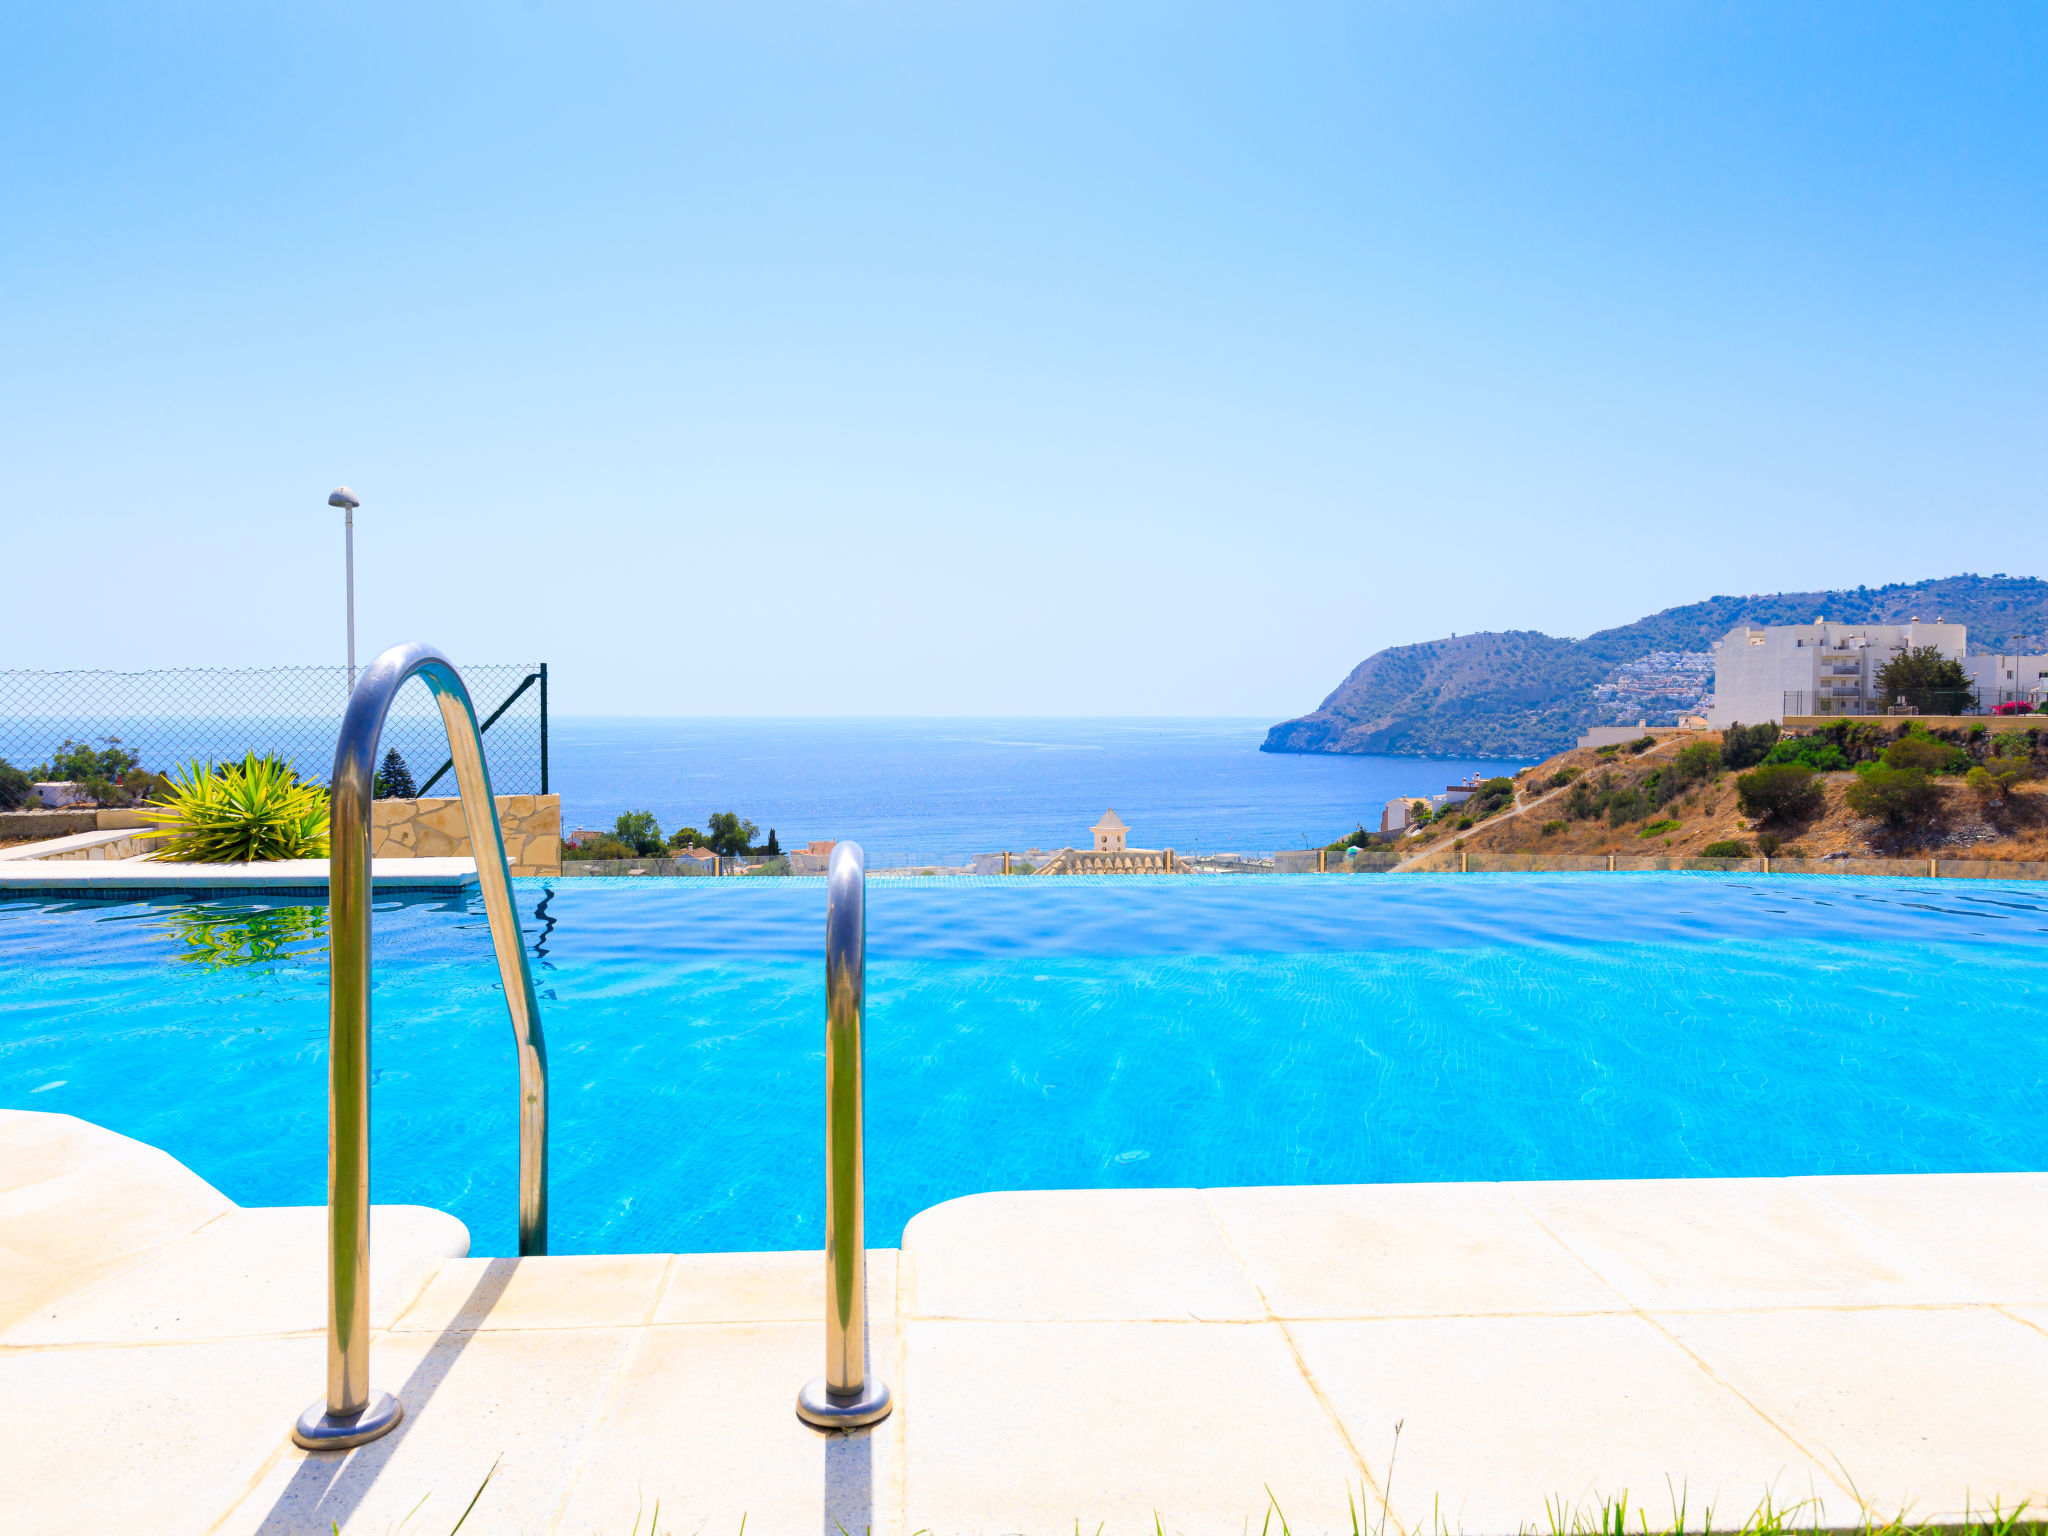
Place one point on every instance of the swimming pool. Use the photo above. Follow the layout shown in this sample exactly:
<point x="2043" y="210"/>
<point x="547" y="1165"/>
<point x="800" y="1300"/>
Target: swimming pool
<point x="1083" y="1033"/>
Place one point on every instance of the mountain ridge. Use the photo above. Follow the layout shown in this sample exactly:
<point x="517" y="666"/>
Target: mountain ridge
<point x="1522" y="693"/>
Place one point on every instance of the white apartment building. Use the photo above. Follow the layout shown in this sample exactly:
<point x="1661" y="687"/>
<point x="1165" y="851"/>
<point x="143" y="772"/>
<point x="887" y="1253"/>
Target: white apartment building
<point x="1814" y="669"/>
<point x="2008" y="679"/>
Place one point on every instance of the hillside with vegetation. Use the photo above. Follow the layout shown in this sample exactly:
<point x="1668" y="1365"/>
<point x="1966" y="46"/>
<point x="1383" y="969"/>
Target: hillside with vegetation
<point x="1520" y="693"/>
<point x="1854" y="789"/>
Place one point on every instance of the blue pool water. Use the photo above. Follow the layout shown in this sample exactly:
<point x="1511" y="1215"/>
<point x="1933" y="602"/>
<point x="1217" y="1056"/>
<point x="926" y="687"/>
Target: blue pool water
<point x="1078" y="1034"/>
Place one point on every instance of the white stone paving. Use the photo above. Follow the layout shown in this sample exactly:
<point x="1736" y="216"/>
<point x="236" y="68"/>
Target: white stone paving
<point x="1087" y="1356"/>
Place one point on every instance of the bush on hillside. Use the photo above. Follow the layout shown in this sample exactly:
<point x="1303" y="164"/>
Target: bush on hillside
<point x="1696" y="764"/>
<point x="602" y="846"/>
<point x="1642" y="744"/>
<point x="16" y="788"/>
<point x="1902" y="798"/>
<point x="1744" y="746"/>
<point x="1626" y="805"/>
<point x="1923" y="754"/>
<point x="1782" y="792"/>
<point x="1492" y="795"/>
<point x="1815" y="752"/>
<point x="1726" y="848"/>
<point x="1994" y="782"/>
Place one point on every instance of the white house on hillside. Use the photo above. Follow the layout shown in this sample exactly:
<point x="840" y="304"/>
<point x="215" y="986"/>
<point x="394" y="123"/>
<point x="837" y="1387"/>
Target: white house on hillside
<point x="2008" y="679"/>
<point x="1814" y="669"/>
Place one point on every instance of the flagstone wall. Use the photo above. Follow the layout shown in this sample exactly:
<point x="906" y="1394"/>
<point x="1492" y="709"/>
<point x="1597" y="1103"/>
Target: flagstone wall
<point x="435" y="829"/>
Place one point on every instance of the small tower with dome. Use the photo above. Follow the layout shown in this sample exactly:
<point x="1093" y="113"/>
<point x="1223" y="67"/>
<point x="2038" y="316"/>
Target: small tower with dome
<point x="1109" y="833"/>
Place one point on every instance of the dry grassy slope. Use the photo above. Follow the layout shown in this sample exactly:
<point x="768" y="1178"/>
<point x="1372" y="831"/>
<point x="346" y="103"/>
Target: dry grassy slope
<point x="1708" y="813"/>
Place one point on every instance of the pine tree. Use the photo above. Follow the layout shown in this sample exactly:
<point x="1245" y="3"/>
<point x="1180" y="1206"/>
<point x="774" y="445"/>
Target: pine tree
<point x="394" y="779"/>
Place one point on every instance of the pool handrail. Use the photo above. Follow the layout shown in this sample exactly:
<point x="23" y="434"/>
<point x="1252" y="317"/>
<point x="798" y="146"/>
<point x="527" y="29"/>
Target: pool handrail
<point x="845" y="1397"/>
<point x="351" y="1413"/>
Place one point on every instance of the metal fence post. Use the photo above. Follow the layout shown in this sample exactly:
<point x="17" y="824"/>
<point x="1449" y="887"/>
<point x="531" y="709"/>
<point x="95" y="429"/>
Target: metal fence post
<point x="845" y="1397"/>
<point x="543" y="727"/>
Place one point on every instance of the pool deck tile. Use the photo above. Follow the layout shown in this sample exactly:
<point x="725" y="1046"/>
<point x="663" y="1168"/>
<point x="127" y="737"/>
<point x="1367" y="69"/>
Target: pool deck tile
<point x="1058" y="1356"/>
<point x="1942" y="1410"/>
<point x="1498" y="1413"/>
<point x="703" y="1420"/>
<point x="1404" y="1250"/>
<point x="1990" y="1229"/>
<point x="1091" y="1254"/>
<point x="248" y="1273"/>
<point x="765" y="1288"/>
<point x="1682" y="1244"/>
<point x="1033" y="1426"/>
<point x="79" y="1204"/>
<point x="599" y="1290"/>
<point x="141" y="878"/>
<point x="153" y="1438"/>
<point x="522" y="1400"/>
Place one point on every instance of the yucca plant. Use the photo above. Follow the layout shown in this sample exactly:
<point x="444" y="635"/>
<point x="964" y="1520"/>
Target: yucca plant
<point x="234" y="813"/>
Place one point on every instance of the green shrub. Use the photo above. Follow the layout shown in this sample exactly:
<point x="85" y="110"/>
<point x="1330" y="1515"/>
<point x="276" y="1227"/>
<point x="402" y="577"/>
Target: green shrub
<point x="247" y="812"/>
<point x="1625" y="805"/>
<point x="602" y="846"/>
<point x="1994" y="782"/>
<point x="1726" y="848"/>
<point x="1899" y="797"/>
<point x="1768" y="844"/>
<point x="1696" y="764"/>
<point x="1610" y="749"/>
<point x="1464" y="823"/>
<point x="1642" y="744"/>
<point x="1551" y="828"/>
<point x="1744" y="746"/>
<point x="16" y="787"/>
<point x="1781" y="792"/>
<point x="639" y="831"/>
<point x="1815" y="752"/>
<point x="1923" y="754"/>
<point x="1658" y="829"/>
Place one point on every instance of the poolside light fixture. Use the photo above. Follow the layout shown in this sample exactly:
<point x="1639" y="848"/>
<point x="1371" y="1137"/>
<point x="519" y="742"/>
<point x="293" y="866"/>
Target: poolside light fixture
<point x="341" y="496"/>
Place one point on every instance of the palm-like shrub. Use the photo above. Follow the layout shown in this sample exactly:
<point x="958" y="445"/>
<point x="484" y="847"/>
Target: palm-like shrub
<point x="247" y="812"/>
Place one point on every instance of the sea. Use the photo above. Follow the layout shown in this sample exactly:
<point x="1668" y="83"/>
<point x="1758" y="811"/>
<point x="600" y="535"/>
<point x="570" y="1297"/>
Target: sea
<point x="939" y="791"/>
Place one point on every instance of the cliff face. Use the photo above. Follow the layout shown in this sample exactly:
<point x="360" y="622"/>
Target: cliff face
<point x="1519" y="693"/>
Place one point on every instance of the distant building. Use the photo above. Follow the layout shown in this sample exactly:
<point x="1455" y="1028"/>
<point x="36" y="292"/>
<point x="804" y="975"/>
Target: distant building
<point x="1398" y="814"/>
<point x="1109" y="833"/>
<point x="1815" y="669"/>
<point x="2008" y="679"/>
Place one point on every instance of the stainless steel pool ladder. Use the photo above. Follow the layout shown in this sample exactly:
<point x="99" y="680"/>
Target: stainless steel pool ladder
<point x="845" y="1397"/>
<point x="352" y="1413"/>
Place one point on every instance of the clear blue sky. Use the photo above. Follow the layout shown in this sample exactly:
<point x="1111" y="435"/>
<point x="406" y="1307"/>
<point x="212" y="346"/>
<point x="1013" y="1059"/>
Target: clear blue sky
<point x="986" y="359"/>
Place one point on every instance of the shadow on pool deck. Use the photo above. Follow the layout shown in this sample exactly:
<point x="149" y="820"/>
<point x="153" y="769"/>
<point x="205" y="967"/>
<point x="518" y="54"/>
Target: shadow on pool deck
<point x="328" y="1487"/>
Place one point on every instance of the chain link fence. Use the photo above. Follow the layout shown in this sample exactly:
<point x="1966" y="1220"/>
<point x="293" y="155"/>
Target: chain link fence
<point x="167" y="719"/>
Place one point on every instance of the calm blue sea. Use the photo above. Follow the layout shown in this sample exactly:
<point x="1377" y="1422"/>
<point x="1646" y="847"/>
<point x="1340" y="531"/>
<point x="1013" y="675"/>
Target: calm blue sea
<point x="948" y="788"/>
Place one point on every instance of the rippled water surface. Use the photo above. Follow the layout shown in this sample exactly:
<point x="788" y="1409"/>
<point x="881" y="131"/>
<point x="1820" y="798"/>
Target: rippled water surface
<point x="1081" y="1034"/>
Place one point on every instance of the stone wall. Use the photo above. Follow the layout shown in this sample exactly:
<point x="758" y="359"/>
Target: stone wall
<point x="435" y="829"/>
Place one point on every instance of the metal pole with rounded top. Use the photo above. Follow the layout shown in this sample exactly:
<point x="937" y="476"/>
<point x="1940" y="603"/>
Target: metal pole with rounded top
<point x="352" y="1413"/>
<point x="341" y="496"/>
<point x="844" y="1397"/>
